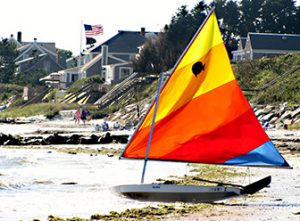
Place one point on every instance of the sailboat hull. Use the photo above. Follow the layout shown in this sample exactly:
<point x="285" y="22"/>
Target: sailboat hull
<point x="187" y="193"/>
<point x="173" y="193"/>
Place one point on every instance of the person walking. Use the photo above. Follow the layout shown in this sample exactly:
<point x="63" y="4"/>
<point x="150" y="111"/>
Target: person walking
<point x="77" y="116"/>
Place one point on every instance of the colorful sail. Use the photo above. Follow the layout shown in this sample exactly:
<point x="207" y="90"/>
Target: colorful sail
<point x="202" y="114"/>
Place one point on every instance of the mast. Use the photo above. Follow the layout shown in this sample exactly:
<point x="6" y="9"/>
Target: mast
<point x="152" y="126"/>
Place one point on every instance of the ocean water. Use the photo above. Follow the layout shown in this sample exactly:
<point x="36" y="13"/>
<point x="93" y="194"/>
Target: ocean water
<point x="38" y="183"/>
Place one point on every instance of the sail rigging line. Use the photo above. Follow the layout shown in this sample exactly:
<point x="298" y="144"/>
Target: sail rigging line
<point x="152" y="126"/>
<point x="216" y="182"/>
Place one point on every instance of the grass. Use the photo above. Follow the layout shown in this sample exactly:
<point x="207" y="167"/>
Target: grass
<point x="159" y="212"/>
<point x="80" y="83"/>
<point x="295" y="126"/>
<point x="257" y="73"/>
<point x="46" y="109"/>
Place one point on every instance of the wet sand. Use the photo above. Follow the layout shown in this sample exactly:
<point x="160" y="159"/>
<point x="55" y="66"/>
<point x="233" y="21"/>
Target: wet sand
<point x="279" y="202"/>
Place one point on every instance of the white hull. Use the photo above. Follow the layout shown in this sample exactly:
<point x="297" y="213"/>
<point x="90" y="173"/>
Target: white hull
<point x="187" y="193"/>
<point x="173" y="193"/>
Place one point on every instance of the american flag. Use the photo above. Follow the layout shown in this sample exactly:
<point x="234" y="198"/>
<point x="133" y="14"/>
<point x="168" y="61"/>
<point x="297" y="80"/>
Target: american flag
<point x="92" y="30"/>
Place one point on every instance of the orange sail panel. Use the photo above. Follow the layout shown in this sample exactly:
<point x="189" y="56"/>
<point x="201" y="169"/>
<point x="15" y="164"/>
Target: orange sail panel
<point x="202" y="114"/>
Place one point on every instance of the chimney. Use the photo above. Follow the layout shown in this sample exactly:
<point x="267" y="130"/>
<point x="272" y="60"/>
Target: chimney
<point x="143" y="31"/>
<point x="19" y="37"/>
<point x="11" y="35"/>
<point x="35" y="39"/>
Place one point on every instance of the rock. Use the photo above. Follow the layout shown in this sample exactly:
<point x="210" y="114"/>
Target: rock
<point x="89" y="140"/>
<point x="295" y="113"/>
<point x="273" y="120"/>
<point x="5" y="120"/>
<point x="105" y="139"/>
<point x="8" y="140"/>
<point x="73" y="139"/>
<point x="32" y="140"/>
<point x="286" y="114"/>
<point x="268" y="116"/>
<point x="119" y="139"/>
<point x="69" y="183"/>
<point x="72" y="152"/>
<point x="55" y="139"/>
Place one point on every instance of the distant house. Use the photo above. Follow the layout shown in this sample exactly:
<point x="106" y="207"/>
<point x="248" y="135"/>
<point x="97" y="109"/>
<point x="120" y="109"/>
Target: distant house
<point x="37" y="56"/>
<point x="259" y="45"/>
<point x="110" y="59"/>
<point x="239" y="53"/>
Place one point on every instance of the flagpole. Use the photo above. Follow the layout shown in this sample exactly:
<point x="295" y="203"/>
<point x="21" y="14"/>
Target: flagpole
<point x="152" y="126"/>
<point x="81" y="37"/>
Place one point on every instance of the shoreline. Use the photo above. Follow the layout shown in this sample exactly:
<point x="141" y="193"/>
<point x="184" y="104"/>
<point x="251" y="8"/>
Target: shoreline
<point x="283" y="197"/>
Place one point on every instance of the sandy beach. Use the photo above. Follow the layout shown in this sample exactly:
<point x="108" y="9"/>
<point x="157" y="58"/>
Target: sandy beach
<point x="279" y="202"/>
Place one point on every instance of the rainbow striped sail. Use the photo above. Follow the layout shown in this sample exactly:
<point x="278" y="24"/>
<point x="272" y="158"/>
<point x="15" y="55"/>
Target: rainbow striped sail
<point x="202" y="114"/>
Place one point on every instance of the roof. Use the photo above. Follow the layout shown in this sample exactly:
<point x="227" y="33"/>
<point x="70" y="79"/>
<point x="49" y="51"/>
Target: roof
<point x="50" y="46"/>
<point x="123" y="42"/>
<point x="39" y="46"/>
<point x="43" y="57"/>
<point x="268" y="41"/>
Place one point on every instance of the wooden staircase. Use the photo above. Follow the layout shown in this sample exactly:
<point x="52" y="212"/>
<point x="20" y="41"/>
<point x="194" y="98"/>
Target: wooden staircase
<point x="119" y="92"/>
<point x="37" y="98"/>
<point x="81" y="96"/>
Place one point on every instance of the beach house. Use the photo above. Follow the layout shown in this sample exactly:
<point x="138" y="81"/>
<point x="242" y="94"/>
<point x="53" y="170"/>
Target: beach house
<point x="110" y="59"/>
<point x="257" y="45"/>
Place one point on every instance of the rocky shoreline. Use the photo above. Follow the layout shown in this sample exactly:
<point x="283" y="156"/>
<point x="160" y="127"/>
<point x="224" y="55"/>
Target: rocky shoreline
<point x="278" y="117"/>
<point x="42" y="133"/>
<point x="56" y="138"/>
<point x="276" y="120"/>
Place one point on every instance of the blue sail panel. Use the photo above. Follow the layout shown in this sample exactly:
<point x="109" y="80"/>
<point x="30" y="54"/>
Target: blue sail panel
<point x="264" y="155"/>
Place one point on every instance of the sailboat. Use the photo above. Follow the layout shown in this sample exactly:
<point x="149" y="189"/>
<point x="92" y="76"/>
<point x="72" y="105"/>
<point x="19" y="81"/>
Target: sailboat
<point x="200" y="115"/>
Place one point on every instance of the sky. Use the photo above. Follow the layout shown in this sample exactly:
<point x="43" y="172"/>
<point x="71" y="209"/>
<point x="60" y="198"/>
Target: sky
<point x="60" y="21"/>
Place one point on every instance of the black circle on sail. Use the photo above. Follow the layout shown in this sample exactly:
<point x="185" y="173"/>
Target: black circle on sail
<point x="197" y="68"/>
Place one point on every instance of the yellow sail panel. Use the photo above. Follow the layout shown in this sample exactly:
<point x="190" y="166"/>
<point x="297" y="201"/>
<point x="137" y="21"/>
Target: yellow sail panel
<point x="202" y="114"/>
<point x="209" y="37"/>
<point x="208" y="50"/>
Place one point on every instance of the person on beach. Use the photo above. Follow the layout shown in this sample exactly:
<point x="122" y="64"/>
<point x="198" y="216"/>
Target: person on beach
<point x="77" y="116"/>
<point x="116" y="125"/>
<point x="85" y="115"/>
<point x="105" y="126"/>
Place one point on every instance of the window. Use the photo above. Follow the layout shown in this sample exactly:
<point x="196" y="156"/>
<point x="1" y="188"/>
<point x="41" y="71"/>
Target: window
<point x="74" y="77"/>
<point x="124" y="72"/>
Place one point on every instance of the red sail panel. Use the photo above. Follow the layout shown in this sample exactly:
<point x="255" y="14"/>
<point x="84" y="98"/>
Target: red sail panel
<point x="204" y="136"/>
<point x="202" y="114"/>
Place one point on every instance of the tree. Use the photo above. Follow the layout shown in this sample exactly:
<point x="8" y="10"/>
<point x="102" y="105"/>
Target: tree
<point x="236" y="18"/>
<point x="8" y="53"/>
<point x="251" y="13"/>
<point x="162" y="53"/>
<point x="280" y="16"/>
<point x="229" y="19"/>
<point x="64" y="53"/>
